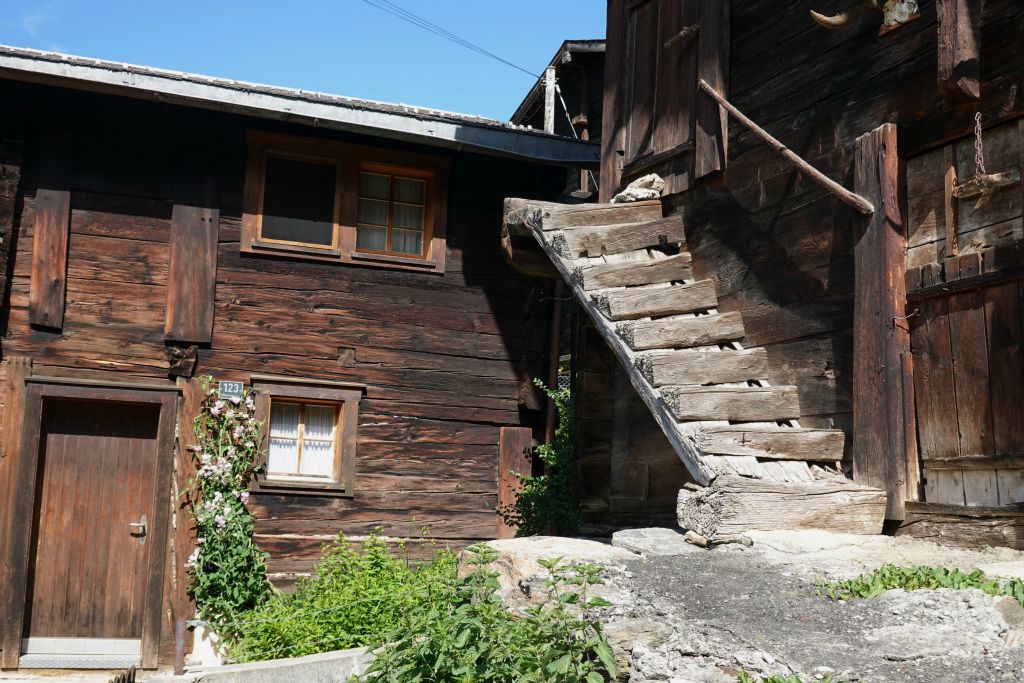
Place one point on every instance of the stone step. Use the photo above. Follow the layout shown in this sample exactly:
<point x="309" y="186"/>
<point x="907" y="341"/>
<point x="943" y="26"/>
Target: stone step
<point x="631" y="273"/>
<point x="662" y="368"/>
<point x="622" y="237"/>
<point x="633" y="303"/>
<point x="736" y="404"/>
<point x="773" y="442"/>
<point x="681" y="332"/>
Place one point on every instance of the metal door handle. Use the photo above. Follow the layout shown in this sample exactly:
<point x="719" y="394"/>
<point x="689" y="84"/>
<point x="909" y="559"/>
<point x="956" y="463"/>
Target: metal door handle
<point x="140" y="526"/>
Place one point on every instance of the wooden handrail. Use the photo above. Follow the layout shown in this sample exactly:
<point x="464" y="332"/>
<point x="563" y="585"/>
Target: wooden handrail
<point x="853" y="199"/>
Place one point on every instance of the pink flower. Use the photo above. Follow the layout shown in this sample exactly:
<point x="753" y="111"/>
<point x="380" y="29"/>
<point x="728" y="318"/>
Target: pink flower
<point x="236" y="399"/>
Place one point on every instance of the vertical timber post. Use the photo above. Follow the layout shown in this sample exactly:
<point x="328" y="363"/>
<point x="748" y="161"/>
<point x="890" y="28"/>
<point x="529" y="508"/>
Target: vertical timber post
<point x="884" y="455"/>
<point x="549" y="99"/>
<point x="515" y="456"/>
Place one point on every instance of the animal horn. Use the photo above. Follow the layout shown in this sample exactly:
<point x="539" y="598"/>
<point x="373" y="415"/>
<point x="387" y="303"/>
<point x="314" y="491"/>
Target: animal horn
<point x="844" y="18"/>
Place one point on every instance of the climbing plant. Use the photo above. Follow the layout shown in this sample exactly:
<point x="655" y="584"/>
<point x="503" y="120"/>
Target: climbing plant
<point x="546" y="503"/>
<point x="227" y="571"/>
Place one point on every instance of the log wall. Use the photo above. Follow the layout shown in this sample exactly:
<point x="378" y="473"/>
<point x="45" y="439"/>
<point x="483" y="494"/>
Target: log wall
<point x="446" y="359"/>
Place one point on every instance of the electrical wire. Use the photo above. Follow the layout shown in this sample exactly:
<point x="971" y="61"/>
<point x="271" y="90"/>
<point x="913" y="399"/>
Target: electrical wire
<point x="405" y="15"/>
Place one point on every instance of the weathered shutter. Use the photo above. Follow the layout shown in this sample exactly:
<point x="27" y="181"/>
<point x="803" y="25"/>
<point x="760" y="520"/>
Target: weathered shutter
<point x="192" y="274"/>
<point x="655" y="117"/>
<point x="52" y="224"/>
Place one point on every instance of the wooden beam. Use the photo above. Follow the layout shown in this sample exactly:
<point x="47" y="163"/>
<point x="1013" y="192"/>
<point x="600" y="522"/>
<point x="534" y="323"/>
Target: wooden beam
<point x="739" y="404"/>
<point x="52" y="224"/>
<point x="192" y="272"/>
<point x="882" y="456"/>
<point x="779" y="443"/>
<point x="633" y="273"/>
<point x="734" y="504"/>
<point x="711" y="137"/>
<point x="959" y="47"/>
<point x="657" y="301"/>
<point x="10" y="183"/>
<point x="524" y="256"/>
<point x="523" y="214"/>
<point x="858" y="202"/>
<point x="662" y="368"/>
<point x="682" y="332"/>
<point x="965" y="527"/>
<point x="616" y="239"/>
<point x="515" y="458"/>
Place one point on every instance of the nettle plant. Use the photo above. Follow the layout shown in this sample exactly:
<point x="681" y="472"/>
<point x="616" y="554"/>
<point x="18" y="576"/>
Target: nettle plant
<point x="228" y="571"/>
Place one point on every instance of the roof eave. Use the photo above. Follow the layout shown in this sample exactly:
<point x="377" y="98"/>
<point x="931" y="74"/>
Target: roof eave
<point x="276" y="105"/>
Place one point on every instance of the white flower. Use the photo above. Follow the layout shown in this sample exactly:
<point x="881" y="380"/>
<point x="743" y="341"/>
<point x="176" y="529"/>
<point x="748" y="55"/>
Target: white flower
<point x="193" y="558"/>
<point x="244" y="497"/>
<point x="236" y="399"/>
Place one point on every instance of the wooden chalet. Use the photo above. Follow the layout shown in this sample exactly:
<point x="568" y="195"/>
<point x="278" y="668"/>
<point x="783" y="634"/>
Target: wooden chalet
<point x="341" y="256"/>
<point x="830" y="282"/>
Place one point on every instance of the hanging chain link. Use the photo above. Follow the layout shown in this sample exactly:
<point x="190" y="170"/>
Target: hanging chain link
<point x="979" y="152"/>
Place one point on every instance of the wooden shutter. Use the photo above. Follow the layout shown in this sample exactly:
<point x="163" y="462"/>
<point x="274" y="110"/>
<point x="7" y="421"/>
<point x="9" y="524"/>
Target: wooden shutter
<point x="52" y="224"/>
<point x="655" y="118"/>
<point x="192" y="274"/>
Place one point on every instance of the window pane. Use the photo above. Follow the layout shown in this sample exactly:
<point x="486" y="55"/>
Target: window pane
<point x="373" y="211"/>
<point x="409" y="216"/>
<point x="409" y="190"/>
<point x="298" y="201"/>
<point x="371" y="237"/>
<point x="283" y="456"/>
<point x="284" y="420"/>
<point x="320" y="422"/>
<point x="318" y="458"/>
<point x="374" y="185"/>
<point x="407" y="242"/>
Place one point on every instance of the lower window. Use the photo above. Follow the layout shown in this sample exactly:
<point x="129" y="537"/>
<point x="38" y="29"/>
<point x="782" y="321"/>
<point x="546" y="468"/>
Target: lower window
<point x="310" y="435"/>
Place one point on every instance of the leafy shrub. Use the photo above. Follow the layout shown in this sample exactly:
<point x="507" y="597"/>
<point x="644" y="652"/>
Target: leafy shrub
<point x="467" y="636"/>
<point x="354" y="598"/>
<point x="546" y="504"/>
<point x="918" y="577"/>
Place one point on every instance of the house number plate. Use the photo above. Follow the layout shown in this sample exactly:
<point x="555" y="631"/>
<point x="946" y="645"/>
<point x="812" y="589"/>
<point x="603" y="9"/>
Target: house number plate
<point x="229" y="390"/>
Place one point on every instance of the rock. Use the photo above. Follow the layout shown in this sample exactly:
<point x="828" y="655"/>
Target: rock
<point x="653" y="541"/>
<point x="522" y="578"/>
<point x="625" y="635"/>
<point x="696" y="539"/>
<point x="649" y="186"/>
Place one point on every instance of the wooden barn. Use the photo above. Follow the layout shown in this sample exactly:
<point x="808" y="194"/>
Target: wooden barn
<point x="829" y="282"/>
<point x="341" y="256"/>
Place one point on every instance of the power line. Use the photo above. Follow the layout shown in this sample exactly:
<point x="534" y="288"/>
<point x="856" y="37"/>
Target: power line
<point x="405" y="15"/>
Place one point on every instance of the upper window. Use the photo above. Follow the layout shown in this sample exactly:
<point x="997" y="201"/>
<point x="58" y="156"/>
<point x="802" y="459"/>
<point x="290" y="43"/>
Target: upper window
<point x="333" y="201"/>
<point x="310" y="434"/>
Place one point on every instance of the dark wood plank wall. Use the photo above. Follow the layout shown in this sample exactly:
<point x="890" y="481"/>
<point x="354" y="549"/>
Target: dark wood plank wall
<point x="446" y="359"/>
<point x="778" y="246"/>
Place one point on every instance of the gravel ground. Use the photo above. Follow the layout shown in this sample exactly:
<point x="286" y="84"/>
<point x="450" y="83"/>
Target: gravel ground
<point x="706" y="616"/>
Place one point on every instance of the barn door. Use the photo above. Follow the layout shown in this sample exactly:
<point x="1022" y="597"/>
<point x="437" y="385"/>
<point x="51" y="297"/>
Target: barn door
<point x="92" y="534"/>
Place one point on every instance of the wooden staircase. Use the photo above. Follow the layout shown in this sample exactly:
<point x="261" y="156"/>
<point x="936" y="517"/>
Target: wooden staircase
<point x="710" y="396"/>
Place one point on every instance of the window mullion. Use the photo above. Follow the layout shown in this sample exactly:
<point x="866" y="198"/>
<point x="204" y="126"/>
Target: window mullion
<point x="302" y="432"/>
<point x="391" y="212"/>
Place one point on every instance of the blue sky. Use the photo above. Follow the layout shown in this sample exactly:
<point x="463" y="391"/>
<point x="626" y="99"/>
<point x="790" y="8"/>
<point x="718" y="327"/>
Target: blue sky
<point x="344" y="47"/>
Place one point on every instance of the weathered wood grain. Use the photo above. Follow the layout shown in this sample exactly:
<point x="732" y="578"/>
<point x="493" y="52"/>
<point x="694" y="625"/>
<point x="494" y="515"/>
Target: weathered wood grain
<point x="53" y="215"/>
<point x="733" y="505"/>
<point x="959" y="50"/>
<point x="963" y="526"/>
<point x="779" y="443"/>
<point x="616" y="239"/>
<point x="711" y="136"/>
<point x="632" y="273"/>
<point x="677" y="332"/>
<point x="740" y="404"/>
<point x="653" y="302"/>
<point x="881" y="456"/>
<point x="1004" y="323"/>
<point x="515" y="460"/>
<point x="703" y="367"/>
<point x="520" y="213"/>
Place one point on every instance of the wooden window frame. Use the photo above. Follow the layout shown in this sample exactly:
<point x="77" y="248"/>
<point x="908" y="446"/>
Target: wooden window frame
<point x="346" y="397"/>
<point x="350" y="160"/>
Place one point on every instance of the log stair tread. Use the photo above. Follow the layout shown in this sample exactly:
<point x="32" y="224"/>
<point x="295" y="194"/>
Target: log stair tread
<point x="682" y="355"/>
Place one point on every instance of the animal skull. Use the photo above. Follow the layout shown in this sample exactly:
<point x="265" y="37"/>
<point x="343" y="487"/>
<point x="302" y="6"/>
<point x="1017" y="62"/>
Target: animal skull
<point x="894" y="12"/>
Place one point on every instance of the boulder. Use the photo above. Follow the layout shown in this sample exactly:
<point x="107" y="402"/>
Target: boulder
<point x="654" y="542"/>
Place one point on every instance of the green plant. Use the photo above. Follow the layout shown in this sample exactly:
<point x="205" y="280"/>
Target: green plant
<point x="227" y="571"/>
<point x="745" y="677"/>
<point x="546" y="503"/>
<point x="918" y="577"/>
<point x="354" y="597"/>
<point x="467" y="636"/>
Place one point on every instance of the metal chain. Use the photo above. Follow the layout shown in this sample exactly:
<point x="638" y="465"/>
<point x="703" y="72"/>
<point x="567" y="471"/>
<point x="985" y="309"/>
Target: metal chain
<point x="979" y="152"/>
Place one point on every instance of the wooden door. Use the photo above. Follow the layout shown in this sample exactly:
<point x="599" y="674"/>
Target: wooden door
<point x="89" y="565"/>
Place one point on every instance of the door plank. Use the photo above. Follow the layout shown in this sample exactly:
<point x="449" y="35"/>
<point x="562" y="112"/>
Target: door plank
<point x="1006" y="365"/>
<point x="969" y="345"/>
<point x="52" y="225"/>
